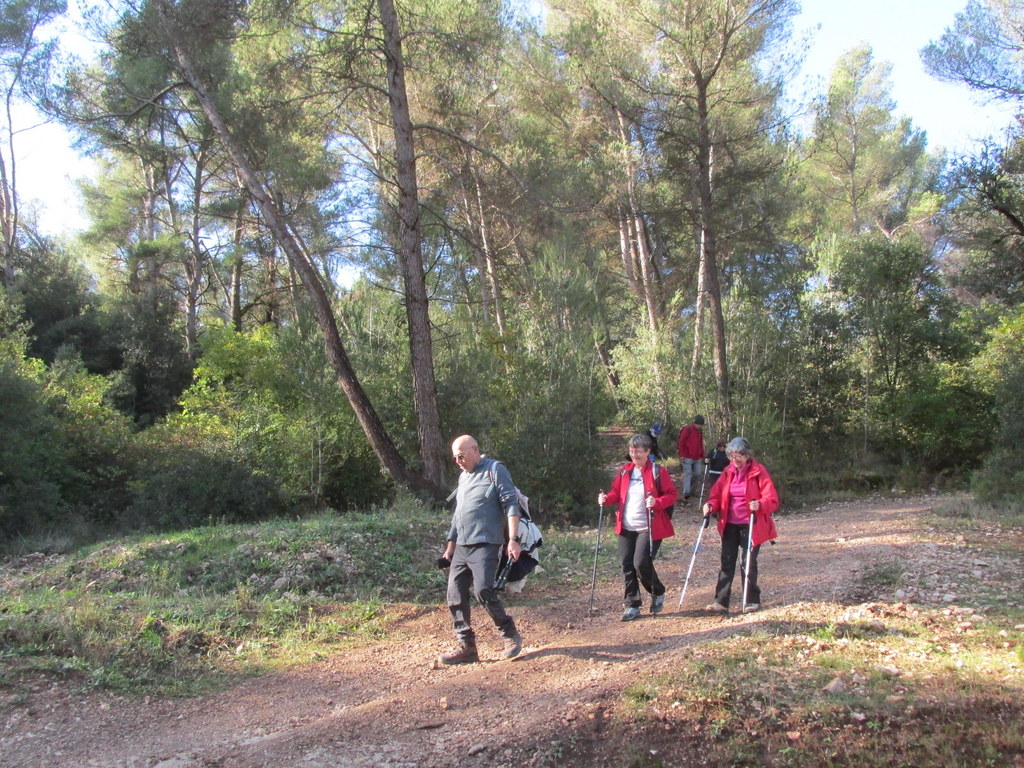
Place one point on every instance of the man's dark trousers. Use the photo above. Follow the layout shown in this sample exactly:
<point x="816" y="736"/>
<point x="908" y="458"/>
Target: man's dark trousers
<point x="474" y="567"/>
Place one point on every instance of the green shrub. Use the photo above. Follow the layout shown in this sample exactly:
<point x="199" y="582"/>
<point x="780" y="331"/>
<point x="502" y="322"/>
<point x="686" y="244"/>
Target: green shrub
<point x="31" y="457"/>
<point x="63" y="455"/>
<point x="1000" y="369"/>
<point x="186" y="487"/>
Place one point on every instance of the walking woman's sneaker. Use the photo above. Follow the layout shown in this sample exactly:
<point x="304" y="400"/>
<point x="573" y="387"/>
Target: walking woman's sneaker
<point x="657" y="604"/>
<point x="751" y="607"/>
<point x="464" y="654"/>
<point x="631" y="614"/>
<point x="717" y="608"/>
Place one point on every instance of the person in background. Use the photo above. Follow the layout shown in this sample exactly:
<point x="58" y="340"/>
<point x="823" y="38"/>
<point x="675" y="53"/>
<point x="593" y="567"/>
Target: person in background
<point x="743" y="491"/>
<point x="716" y="461"/>
<point x="656" y="453"/>
<point x="691" y="453"/>
<point x="641" y="523"/>
<point x="485" y="505"/>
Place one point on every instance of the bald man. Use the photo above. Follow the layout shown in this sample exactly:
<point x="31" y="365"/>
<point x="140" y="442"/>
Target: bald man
<point x="486" y="506"/>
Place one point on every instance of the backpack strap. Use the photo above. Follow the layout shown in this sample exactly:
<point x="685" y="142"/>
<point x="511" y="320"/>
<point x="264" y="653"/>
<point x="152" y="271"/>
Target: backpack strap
<point x="524" y="513"/>
<point x="657" y="475"/>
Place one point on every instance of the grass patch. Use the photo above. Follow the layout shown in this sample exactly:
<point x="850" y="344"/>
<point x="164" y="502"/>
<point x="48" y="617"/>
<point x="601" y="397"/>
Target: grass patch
<point x="880" y="685"/>
<point x="567" y="557"/>
<point x="965" y="508"/>
<point x="181" y="613"/>
<point x="185" y="612"/>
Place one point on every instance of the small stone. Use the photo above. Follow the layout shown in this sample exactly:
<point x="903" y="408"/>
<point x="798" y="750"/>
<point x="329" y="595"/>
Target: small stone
<point x="836" y="686"/>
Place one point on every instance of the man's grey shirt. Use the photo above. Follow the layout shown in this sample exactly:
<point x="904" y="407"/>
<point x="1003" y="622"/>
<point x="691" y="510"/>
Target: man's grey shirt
<point x="484" y="498"/>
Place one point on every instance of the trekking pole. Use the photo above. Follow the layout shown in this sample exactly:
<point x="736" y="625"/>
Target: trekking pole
<point x="746" y="569"/>
<point x="703" y="482"/>
<point x="696" y="549"/>
<point x="597" y="549"/>
<point x="650" y="534"/>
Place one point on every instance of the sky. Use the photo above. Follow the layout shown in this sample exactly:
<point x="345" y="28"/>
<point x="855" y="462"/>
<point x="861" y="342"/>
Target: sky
<point x="952" y="116"/>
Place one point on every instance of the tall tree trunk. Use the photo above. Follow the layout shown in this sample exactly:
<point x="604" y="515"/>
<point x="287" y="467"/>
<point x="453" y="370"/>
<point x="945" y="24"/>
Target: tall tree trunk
<point x="370" y="422"/>
<point x="485" y="295"/>
<point x="626" y="250"/>
<point x="195" y="268"/>
<point x="640" y="245"/>
<point x="9" y="188"/>
<point x="698" y="318"/>
<point x="428" y="420"/>
<point x="8" y="216"/>
<point x="635" y="220"/>
<point x="235" y="291"/>
<point x="493" y="286"/>
<point x="709" y="254"/>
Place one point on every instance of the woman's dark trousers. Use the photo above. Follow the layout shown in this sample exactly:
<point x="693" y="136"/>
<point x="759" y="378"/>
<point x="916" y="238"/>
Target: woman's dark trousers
<point x="637" y="559"/>
<point x="733" y="540"/>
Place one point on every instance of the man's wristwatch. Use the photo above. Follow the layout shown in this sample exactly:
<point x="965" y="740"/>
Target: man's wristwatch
<point x="517" y="539"/>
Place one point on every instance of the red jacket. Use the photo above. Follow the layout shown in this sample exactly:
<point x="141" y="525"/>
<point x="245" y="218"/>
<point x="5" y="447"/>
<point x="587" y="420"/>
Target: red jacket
<point x="661" y="525"/>
<point x="690" y="443"/>
<point x="759" y="487"/>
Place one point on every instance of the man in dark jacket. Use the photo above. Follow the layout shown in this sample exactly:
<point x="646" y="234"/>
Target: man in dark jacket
<point x="486" y="504"/>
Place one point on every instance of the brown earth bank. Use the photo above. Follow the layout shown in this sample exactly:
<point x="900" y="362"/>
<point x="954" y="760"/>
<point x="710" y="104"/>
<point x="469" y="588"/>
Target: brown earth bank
<point x="388" y="704"/>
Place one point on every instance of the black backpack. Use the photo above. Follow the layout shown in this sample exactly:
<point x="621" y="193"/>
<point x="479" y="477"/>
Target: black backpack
<point x="657" y="482"/>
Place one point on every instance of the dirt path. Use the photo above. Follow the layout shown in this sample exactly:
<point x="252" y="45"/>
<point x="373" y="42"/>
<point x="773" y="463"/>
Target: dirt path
<point x="388" y="705"/>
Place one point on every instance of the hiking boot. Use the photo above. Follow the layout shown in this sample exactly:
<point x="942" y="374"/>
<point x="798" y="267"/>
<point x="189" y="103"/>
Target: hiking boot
<point x="751" y="607"/>
<point x="657" y="604"/>
<point x="513" y="645"/>
<point x="631" y="614"/>
<point x="464" y="654"/>
<point x="716" y="608"/>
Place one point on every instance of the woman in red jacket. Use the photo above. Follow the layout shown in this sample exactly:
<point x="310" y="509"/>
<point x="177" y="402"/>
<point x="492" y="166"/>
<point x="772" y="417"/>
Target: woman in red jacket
<point x="744" y="490"/>
<point x="641" y="523"/>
